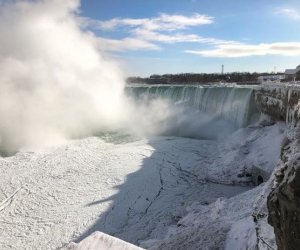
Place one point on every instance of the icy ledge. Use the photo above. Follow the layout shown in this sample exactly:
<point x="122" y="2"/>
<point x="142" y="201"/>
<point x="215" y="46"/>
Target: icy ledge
<point x="100" y="240"/>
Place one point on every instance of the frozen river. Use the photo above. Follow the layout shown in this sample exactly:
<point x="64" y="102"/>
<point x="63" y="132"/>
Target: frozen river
<point x="135" y="190"/>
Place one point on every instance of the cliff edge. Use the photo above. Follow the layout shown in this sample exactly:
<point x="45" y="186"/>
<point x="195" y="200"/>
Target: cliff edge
<point x="282" y="103"/>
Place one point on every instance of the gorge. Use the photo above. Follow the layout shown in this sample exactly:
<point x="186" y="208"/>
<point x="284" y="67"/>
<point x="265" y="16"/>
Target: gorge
<point x="171" y="190"/>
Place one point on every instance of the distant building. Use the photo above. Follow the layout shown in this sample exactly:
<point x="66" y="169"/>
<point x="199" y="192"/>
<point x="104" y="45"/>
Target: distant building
<point x="270" y="79"/>
<point x="292" y="74"/>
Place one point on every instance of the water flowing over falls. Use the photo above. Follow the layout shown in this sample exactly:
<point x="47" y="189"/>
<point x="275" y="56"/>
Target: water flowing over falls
<point x="234" y="104"/>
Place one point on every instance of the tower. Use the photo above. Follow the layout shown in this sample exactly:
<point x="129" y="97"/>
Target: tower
<point x="222" y="71"/>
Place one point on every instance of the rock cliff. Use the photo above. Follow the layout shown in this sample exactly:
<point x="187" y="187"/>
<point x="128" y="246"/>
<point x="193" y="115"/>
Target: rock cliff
<point x="279" y="102"/>
<point x="284" y="200"/>
<point x="282" y="103"/>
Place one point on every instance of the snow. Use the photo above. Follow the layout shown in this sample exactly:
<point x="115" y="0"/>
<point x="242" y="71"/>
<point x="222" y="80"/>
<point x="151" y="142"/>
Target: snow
<point x="242" y="235"/>
<point x="99" y="240"/>
<point x="159" y="192"/>
<point x="206" y="227"/>
<point x="265" y="232"/>
<point x="254" y="146"/>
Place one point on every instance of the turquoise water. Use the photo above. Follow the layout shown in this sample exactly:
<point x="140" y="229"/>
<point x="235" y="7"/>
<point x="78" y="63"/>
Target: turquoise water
<point x="234" y="104"/>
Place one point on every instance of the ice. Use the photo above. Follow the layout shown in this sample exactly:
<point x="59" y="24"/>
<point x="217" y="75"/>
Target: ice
<point x="242" y="235"/>
<point x="158" y="192"/>
<point x="99" y="240"/>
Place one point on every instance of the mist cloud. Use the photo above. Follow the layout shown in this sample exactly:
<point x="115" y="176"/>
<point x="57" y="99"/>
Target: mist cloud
<point x="54" y="83"/>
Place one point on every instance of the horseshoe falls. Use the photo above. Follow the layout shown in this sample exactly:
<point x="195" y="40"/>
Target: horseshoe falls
<point x="235" y="105"/>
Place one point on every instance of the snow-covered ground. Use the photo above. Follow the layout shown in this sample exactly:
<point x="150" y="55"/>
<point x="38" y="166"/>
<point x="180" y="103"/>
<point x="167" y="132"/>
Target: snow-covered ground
<point x="160" y="192"/>
<point x="98" y="241"/>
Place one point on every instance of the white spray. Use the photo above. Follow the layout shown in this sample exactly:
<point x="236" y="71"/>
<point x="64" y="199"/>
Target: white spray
<point x="54" y="83"/>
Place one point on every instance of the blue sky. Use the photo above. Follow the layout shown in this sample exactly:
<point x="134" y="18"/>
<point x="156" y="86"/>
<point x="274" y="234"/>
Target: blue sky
<point x="174" y="36"/>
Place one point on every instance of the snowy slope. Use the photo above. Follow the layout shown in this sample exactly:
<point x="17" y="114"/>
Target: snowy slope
<point x="142" y="191"/>
<point x="206" y="227"/>
<point x="228" y="223"/>
<point x="98" y="241"/>
<point x="255" y="146"/>
<point x="131" y="190"/>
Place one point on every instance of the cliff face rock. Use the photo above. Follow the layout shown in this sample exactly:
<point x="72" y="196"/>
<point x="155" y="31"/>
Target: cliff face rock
<point x="282" y="103"/>
<point x="284" y="200"/>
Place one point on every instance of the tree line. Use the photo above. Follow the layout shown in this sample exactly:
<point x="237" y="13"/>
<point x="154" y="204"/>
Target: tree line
<point x="199" y="78"/>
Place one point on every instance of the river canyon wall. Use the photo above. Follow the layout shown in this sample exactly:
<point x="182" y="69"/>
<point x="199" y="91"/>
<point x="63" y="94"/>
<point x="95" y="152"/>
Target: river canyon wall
<point x="282" y="103"/>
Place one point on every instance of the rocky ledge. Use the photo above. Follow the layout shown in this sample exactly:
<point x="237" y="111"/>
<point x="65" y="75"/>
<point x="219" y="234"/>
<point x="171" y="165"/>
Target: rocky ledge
<point x="284" y="199"/>
<point x="282" y="103"/>
<point x="279" y="102"/>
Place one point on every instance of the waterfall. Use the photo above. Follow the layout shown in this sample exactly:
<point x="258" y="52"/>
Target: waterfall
<point x="234" y="104"/>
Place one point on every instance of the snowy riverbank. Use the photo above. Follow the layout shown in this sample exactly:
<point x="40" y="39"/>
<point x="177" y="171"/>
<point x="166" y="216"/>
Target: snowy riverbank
<point x="161" y="192"/>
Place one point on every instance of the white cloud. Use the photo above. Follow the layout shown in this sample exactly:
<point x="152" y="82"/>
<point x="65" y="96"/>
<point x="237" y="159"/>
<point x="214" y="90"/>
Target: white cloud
<point x="162" y="22"/>
<point x="125" y="44"/>
<point x="144" y="33"/>
<point x="181" y="22"/>
<point x="176" y="37"/>
<point x="150" y="33"/>
<point x="243" y="50"/>
<point x="147" y="40"/>
<point x="112" y="23"/>
<point x="290" y="13"/>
